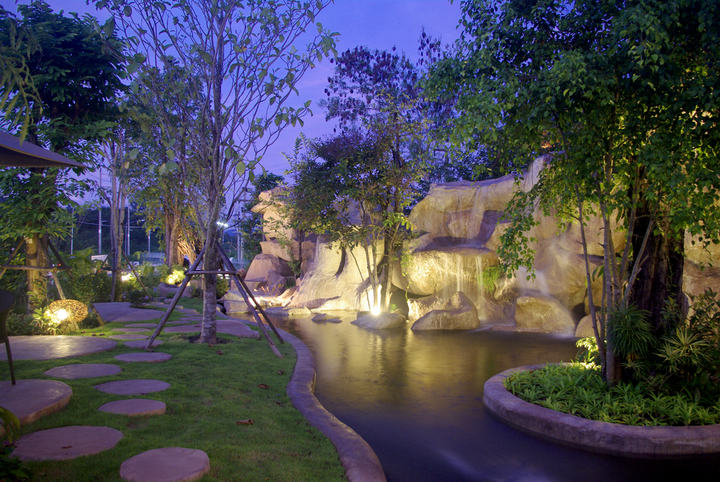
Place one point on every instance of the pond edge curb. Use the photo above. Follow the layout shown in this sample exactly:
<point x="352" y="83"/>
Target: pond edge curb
<point x="593" y="435"/>
<point x="357" y="457"/>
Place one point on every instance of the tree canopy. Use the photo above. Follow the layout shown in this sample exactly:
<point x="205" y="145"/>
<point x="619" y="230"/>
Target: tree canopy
<point x="624" y="96"/>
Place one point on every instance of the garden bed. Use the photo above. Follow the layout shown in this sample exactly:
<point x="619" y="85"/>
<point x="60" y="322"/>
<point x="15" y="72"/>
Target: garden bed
<point x="596" y="436"/>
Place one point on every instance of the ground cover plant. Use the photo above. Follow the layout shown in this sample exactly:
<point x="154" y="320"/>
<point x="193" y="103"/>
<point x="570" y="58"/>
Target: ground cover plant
<point x="578" y="389"/>
<point x="214" y="391"/>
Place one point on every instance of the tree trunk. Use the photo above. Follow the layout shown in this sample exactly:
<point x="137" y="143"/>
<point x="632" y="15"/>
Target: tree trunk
<point x="36" y="255"/>
<point x="661" y="273"/>
<point x="172" y="236"/>
<point x="210" y="262"/>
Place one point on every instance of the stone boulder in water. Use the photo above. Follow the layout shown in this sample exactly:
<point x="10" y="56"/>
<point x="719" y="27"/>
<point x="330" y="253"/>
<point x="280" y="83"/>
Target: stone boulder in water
<point x="383" y="321"/>
<point x="458" y="314"/>
<point x="543" y="314"/>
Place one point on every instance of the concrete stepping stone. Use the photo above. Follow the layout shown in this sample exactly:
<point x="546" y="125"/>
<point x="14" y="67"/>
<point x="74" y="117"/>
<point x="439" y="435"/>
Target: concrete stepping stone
<point x="64" y="443"/>
<point x="51" y="347"/>
<point x="134" y="407"/>
<point x="166" y="465"/>
<point x="32" y="399"/>
<point x="133" y="387"/>
<point x="183" y="322"/>
<point x="182" y="329"/>
<point x="147" y="357"/>
<point x="141" y="343"/>
<point x="122" y="311"/>
<point x="236" y="328"/>
<point x="142" y="325"/>
<point x="128" y="337"/>
<point x="84" y="370"/>
<point x="133" y="330"/>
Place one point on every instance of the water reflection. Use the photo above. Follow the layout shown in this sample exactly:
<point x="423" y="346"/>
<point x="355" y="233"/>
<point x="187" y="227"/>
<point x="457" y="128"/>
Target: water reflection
<point x="417" y="400"/>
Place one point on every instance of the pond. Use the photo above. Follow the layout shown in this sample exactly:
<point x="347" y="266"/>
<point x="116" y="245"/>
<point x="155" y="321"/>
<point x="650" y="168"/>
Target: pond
<point x="417" y="400"/>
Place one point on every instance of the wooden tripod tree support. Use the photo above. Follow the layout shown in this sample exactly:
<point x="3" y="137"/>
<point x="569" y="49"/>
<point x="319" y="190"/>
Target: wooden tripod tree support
<point x="50" y="269"/>
<point x="258" y="313"/>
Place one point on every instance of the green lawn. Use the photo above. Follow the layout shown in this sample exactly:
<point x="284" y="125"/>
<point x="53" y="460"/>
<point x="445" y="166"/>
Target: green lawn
<point x="212" y="388"/>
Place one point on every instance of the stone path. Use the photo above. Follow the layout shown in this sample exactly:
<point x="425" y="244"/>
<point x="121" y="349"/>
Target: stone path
<point x="124" y="312"/>
<point x="64" y="443"/>
<point x="141" y="343"/>
<point x="133" y="387"/>
<point x="166" y="464"/>
<point x="134" y="407"/>
<point x="148" y="357"/>
<point x="51" y="347"/>
<point x="84" y="370"/>
<point x="128" y="337"/>
<point x="32" y="399"/>
<point x="131" y="329"/>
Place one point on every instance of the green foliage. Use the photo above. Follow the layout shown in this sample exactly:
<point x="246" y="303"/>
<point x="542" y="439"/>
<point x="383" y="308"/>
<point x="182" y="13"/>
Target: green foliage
<point x="11" y="425"/>
<point x="579" y="390"/>
<point x="222" y="286"/>
<point x="137" y="298"/>
<point x="630" y="331"/>
<point x="588" y="351"/>
<point x="489" y="278"/>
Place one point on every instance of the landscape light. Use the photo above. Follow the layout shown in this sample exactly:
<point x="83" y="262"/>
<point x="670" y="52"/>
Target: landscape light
<point x="71" y="311"/>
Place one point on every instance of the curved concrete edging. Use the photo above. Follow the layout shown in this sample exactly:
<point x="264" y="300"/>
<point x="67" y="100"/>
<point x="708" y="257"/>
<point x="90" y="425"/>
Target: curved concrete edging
<point x="592" y="435"/>
<point x="357" y="457"/>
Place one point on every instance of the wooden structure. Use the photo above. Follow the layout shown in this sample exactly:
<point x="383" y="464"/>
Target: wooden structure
<point x="227" y="268"/>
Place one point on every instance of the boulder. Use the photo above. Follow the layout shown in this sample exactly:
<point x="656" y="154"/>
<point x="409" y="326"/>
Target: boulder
<point x="264" y="264"/>
<point x="698" y="279"/>
<point x="541" y="313"/>
<point x="383" y="321"/>
<point x="460" y="314"/>
<point x="584" y="327"/>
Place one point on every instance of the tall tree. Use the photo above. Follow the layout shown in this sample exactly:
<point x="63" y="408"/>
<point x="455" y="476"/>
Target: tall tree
<point x="74" y="68"/>
<point x="376" y="99"/>
<point x="247" y="61"/>
<point x="624" y="95"/>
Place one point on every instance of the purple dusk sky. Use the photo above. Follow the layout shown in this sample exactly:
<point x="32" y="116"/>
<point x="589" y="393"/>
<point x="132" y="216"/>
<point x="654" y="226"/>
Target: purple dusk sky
<point x="377" y="24"/>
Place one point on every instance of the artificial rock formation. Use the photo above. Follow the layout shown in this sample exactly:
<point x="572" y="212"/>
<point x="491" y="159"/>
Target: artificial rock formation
<point x="458" y="227"/>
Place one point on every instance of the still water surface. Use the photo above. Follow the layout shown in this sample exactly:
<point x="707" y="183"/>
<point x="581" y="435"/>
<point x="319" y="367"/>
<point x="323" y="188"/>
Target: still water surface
<point x="417" y="400"/>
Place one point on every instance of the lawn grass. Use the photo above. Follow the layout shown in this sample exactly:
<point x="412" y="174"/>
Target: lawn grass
<point x="212" y="387"/>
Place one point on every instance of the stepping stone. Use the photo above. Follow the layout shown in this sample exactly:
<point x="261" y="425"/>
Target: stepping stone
<point x="236" y="328"/>
<point x="128" y="337"/>
<point x="141" y="343"/>
<point x="32" y="399"/>
<point x="148" y="357"/>
<point x="183" y="322"/>
<point x="133" y="387"/>
<point x="142" y="325"/>
<point x="51" y="347"/>
<point x="122" y="311"/>
<point x="66" y="442"/>
<point x="84" y="370"/>
<point x="182" y="329"/>
<point x="133" y="330"/>
<point x="134" y="407"/>
<point x="165" y="465"/>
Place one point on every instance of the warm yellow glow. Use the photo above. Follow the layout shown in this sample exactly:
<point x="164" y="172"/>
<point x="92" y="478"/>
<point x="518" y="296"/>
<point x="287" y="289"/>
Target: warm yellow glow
<point x="60" y="315"/>
<point x="375" y="311"/>
<point x="175" y="277"/>
<point x="126" y="277"/>
<point x="72" y="311"/>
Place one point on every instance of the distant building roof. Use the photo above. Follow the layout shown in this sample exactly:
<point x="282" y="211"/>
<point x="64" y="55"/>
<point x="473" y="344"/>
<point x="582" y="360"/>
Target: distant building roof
<point x="27" y="154"/>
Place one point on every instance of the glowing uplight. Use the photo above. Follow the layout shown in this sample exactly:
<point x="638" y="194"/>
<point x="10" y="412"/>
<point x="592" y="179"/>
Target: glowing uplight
<point x="71" y="311"/>
<point x="60" y="315"/>
<point x="175" y="277"/>
<point x="375" y="311"/>
<point x="126" y="277"/>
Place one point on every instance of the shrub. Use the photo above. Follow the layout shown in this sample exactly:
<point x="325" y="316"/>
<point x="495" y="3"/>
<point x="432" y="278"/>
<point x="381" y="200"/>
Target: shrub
<point x="578" y="389"/>
<point x="136" y="297"/>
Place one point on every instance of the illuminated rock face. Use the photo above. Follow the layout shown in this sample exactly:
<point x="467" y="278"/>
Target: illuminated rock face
<point x="458" y="227"/>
